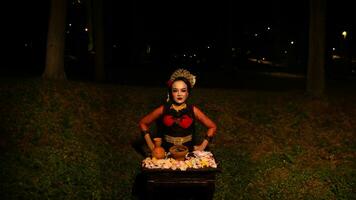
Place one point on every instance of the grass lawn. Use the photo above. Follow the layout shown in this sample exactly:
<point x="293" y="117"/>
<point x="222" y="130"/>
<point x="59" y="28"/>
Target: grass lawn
<point x="72" y="140"/>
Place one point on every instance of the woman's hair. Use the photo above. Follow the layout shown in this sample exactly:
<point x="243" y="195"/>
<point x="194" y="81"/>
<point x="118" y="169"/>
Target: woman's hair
<point x="189" y="87"/>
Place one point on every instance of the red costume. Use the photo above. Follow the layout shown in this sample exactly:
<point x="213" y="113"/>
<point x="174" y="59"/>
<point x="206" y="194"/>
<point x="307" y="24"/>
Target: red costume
<point x="175" y="119"/>
<point x="177" y="127"/>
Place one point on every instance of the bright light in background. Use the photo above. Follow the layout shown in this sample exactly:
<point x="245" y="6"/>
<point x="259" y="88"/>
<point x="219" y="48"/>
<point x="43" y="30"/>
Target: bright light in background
<point x="86" y="29"/>
<point x="285" y="52"/>
<point x="76" y="2"/>
<point x="336" y="57"/>
<point x="334" y="49"/>
<point x="148" y="49"/>
<point x="256" y="35"/>
<point x="292" y="42"/>
<point x="268" y="28"/>
<point x="344" y="33"/>
<point x="69" y="25"/>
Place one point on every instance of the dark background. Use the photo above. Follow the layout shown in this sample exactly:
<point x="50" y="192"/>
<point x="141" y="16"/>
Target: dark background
<point x="160" y="36"/>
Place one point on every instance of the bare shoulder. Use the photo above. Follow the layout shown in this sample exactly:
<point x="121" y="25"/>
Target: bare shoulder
<point x="159" y="109"/>
<point x="197" y="110"/>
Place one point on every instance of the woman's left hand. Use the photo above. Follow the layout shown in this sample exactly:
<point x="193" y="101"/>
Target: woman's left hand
<point x="202" y="146"/>
<point x="199" y="148"/>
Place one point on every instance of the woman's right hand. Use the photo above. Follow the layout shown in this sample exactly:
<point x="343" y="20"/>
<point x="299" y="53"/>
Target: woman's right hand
<point x="149" y="142"/>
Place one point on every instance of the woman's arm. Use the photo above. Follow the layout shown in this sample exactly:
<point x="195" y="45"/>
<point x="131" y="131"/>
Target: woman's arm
<point x="207" y="122"/>
<point x="145" y="123"/>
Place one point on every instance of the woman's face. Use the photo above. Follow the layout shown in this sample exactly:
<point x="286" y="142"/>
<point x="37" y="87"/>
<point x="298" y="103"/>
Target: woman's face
<point x="179" y="92"/>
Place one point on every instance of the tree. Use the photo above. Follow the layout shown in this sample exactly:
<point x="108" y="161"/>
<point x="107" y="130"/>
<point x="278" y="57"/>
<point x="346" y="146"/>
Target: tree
<point x="316" y="58"/>
<point x="54" y="68"/>
<point x="96" y="20"/>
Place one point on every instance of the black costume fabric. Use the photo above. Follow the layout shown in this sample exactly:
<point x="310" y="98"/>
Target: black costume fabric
<point x="176" y="124"/>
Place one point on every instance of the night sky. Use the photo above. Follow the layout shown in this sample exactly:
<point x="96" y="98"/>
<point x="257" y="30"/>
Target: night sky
<point x="201" y="20"/>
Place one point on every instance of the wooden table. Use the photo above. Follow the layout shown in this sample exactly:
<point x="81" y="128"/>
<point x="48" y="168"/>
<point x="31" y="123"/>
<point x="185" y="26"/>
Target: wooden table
<point x="177" y="184"/>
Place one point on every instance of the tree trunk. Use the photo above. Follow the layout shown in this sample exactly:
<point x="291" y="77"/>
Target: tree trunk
<point x="54" y="68"/>
<point x="98" y="30"/>
<point x="316" y="60"/>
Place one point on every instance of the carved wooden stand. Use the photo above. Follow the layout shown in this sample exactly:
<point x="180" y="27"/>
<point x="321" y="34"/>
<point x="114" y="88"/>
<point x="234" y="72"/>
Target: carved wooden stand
<point x="189" y="184"/>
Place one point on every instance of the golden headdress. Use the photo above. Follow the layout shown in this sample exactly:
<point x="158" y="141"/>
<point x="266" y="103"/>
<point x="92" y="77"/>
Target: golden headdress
<point x="181" y="73"/>
<point x="185" y="74"/>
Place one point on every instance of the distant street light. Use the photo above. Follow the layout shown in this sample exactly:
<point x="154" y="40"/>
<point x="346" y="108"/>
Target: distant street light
<point x="344" y="33"/>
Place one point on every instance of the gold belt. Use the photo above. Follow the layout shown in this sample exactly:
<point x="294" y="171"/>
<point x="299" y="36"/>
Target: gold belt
<point x="178" y="140"/>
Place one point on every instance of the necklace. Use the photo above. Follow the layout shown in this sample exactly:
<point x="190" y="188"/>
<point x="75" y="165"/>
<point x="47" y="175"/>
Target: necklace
<point x="179" y="107"/>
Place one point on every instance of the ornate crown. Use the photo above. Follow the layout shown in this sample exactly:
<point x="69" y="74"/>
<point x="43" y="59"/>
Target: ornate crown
<point x="185" y="74"/>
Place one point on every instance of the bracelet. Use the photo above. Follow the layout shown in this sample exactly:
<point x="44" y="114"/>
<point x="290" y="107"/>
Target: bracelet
<point x="209" y="139"/>
<point x="145" y="132"/>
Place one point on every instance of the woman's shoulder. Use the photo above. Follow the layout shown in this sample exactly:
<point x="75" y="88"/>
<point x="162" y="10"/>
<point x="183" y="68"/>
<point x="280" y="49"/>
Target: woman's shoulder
<point x="158" y="110"/>
<point x="196" y="110"/>
<point x="161" y="107"/>
<point x="193" y="107"/>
